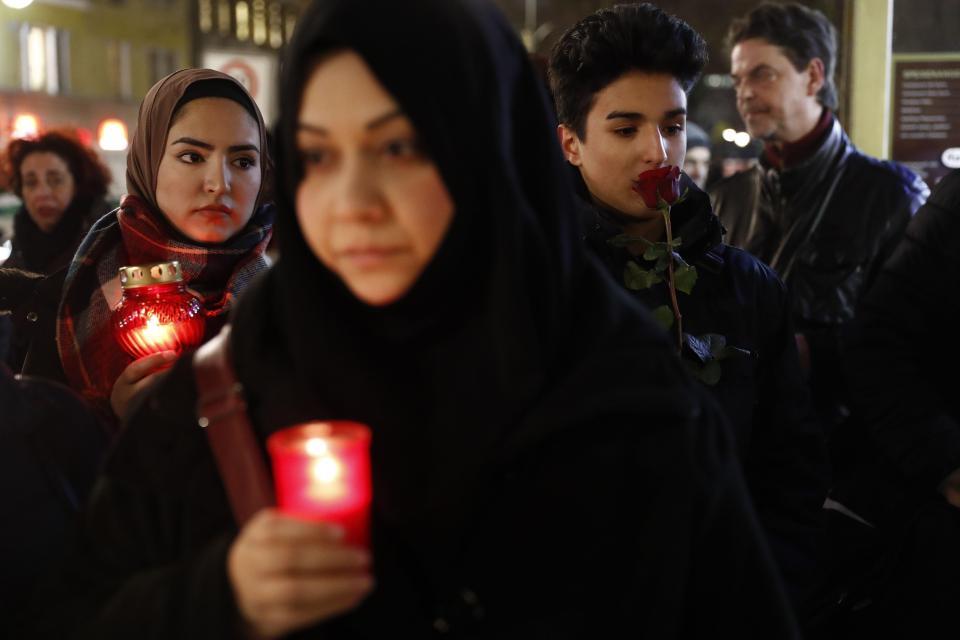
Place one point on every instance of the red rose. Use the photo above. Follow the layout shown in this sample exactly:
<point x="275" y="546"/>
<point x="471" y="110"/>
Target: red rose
<point x="657" y="184"/>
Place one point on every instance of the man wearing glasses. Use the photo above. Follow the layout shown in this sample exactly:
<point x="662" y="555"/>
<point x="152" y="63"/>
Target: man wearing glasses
<point x="821" y="213"/>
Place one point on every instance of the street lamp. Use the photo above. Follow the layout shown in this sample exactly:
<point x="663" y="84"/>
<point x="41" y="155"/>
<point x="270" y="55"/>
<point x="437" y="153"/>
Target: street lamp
<point x="18" y="4"/>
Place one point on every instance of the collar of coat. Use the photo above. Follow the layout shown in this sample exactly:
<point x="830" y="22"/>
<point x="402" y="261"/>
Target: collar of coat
<point x="693" y="222"/>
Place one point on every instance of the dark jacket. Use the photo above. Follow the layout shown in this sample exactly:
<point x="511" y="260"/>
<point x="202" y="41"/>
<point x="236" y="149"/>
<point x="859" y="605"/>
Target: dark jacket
<point x="50" y="450"/>
<point x="837" y="216"/>
<point x="653" y="512"/>
<point x="761" y="391"/>
<point x="32" y="302"/>
<point x="905" y="438"/>
<point x="45" y="254"/>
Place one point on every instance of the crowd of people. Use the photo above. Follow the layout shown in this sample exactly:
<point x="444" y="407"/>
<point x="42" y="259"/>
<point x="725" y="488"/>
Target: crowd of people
<point x="603" y="401"/>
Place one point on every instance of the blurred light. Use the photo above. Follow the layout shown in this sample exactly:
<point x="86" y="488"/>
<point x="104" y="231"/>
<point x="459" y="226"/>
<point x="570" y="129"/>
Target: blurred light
<point x="276" y="25"/>
<point x="112" y="135"/>
<point x="205" y="15"/>
<point x="85" y="136"/>
<point x="36" y="59"/>
<point x="718" y="81"/>
<point x="742" y="139"/>
<point x="18" y="4"/>
<point x="5" y="250"/>
<point x="242" y="14"/>
<point x="223" y="17"/>
<point x="25" y="125"/>
<point x="259" y="22"/>
<point x="316" y="447"/>
<point x="289" y="25"/>
<point x="729" y="135"/>
<point x="326" y="470"/>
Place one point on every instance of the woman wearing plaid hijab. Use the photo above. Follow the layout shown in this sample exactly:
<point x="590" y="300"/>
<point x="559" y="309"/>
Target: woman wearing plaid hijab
<point x="196" y="179"/>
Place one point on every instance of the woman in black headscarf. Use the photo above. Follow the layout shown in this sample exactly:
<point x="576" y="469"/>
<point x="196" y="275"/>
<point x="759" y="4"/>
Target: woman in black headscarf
<point x="541" y="465"/>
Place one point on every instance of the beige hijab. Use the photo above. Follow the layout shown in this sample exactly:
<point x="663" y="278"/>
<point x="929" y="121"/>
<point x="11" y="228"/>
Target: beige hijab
<point x="153" y="124"/>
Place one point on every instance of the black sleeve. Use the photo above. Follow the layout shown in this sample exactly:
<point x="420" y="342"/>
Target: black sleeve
<point x="16" y="287"/>
<point x="786" y="465"/>
<point x="904" y="343"/>
<point x="36" y="323"/>
<point x="123" y="583"/>
<point x="151" y="554"/>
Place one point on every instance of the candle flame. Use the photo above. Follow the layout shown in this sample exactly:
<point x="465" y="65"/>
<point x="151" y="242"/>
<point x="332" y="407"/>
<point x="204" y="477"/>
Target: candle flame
<point x="326" y="470"/>
<point x="156" y="335"/>
<point x="316" y="447"/>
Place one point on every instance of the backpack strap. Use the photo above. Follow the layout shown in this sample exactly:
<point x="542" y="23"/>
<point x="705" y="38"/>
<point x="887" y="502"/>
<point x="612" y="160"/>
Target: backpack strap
<point x="222" y="413"/>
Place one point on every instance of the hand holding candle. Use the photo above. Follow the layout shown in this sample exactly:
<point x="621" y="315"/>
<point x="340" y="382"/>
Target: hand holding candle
<point x="138" y="375"/>
<point x="322" y="473"/>
<point x="288" y="574"/>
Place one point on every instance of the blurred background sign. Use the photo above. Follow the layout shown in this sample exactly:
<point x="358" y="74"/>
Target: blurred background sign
<point x="926" y="114"/>
<point x="257" y="72"/>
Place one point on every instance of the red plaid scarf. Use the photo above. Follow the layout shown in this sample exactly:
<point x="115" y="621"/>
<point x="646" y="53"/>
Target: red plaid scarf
<point x="92" y="360"/>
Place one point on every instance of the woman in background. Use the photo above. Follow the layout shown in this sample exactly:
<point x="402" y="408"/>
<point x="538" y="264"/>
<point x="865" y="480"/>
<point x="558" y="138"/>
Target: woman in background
<point x="62" y="185"/>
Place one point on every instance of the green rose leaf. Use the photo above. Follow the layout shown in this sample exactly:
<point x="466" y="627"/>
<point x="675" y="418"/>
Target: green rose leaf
<point x="637" y="278"/>
<point x="664" y="316"/>
<point x="684" y="278"/>
<point x="654" y="251"/>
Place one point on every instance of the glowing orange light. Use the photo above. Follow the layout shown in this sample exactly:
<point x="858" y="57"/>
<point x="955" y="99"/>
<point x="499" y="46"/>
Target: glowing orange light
<point x="25" y="125"/>
<point x="112" y="135"/>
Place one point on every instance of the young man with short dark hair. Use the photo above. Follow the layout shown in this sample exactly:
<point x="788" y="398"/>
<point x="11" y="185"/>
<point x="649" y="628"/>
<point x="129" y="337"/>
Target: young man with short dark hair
<point x="620" y="79"/>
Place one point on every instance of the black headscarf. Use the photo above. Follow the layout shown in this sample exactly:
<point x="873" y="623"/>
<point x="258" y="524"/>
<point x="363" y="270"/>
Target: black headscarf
<point x="509" y="332"/>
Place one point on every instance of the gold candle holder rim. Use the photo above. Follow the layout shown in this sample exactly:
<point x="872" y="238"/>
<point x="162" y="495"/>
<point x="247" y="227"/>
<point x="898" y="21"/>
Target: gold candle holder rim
<point x="150" y="274"/>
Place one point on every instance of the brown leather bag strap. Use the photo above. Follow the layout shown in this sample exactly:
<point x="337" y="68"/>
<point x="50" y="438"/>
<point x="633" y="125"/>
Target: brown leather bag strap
<point x="222" y="413"/>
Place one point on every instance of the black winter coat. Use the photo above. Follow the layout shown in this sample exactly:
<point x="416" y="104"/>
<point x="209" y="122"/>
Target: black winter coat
<point x="654" y="512"/>
<point x="825" y="227"/>
<point x="761" y="392"/>
<point x="906" y="435"/>
<point x="32" y="302"/>
<point x="50" y="451"/>
<point x="44" y="254"/>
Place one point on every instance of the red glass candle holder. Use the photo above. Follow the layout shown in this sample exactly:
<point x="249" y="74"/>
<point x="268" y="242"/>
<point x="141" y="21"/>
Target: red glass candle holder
<point x="322" y="473"/>
<point x="156" y="312"/>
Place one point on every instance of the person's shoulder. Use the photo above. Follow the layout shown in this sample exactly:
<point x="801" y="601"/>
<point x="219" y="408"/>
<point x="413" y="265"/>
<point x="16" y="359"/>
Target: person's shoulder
<point x="946" y="194"/>
<point x="937" y="223"/>
<point x="885" y="175"/>
<point x="733" y="183"/>
<point x="746" y="267"/>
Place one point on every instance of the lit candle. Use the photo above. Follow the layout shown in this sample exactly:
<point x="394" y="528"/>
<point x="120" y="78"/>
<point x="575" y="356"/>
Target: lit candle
<point x="156" y="312"/>
<point x="322" y="473"/>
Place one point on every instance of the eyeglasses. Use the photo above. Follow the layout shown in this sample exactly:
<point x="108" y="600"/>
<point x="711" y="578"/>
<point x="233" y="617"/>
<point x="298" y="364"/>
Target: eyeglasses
<point x="762" y="76"/>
